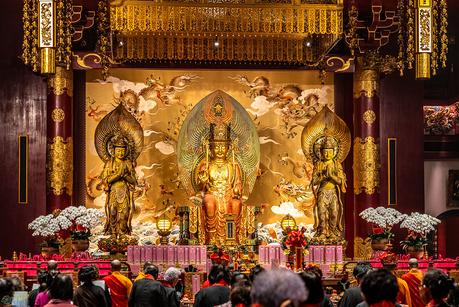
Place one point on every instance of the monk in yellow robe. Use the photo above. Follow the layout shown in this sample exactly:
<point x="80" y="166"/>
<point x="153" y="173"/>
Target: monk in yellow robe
<point x="389" y="262"/>
<point x="414" y="280"/>
<point x="120" y="286"/>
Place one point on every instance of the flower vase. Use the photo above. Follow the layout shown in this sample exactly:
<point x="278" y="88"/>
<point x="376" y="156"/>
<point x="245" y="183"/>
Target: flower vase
<point x="380" y="244"/>
<point x="299" y="257"/>
<point x="80" y="245"/>
<point x="48" y="251"/>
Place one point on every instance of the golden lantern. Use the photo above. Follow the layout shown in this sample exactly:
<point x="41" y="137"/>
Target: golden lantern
<point x="164" y="226"/>
<point x="288" y="222"/>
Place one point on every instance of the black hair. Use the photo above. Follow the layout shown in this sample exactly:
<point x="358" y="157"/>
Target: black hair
<point x="240" y="294"/>
<point x="152" y="270"/>
<point x="315" y="270"/>
<point x="453" y="298"/>
<point x="255" y="271"/>
<point x="379" y="285"/>
<point x="61" y="288"/>
<point x="217" y="273"/>
<point x="361" y="269"/>
<point x="438" y="283"/>
<point x="6" y="287"/>
<point x="44" y="279"/>
<point x="313" y="284"/>
<point x="237" y="276"/>
<point x="87" y="274"/>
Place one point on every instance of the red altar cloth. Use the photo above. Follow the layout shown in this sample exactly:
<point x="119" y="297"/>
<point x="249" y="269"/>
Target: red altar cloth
<point x="32" y="267"/>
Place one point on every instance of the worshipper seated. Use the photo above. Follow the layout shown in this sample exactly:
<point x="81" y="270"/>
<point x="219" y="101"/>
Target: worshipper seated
<point x="414" y="280"/>
<point x="436" y="286"/>
<point x="171" y="278"/>
<point x="379" y="289"/>
<point x="353" y="296"/>
<point x="218" y="292"/>
<point x="148" y="292"/>
<point x="278" y="288"/>
<point x="88" y="294"/>
<point x="120" y="286"/>
<point x="61" y="292"/>
<point x="44" y="280"/>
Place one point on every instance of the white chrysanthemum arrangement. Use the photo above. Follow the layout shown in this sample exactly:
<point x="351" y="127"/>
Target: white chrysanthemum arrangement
<point x="74" y="221"/>
<point x="419" y="225"/>
<point x="382" y="219"/>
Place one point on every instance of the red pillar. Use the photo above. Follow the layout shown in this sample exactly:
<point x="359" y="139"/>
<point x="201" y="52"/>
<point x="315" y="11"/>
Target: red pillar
<point x="366" y="168"/>
<point x="59" y="155"/>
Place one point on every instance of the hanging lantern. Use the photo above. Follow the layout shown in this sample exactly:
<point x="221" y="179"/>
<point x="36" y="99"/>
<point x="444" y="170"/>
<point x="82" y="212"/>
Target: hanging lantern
<point x="288" y="222"/>
<point x="423" y="38"/>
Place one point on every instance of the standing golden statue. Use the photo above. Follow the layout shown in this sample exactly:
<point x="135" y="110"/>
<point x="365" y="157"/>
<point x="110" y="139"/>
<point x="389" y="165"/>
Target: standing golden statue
<point x="218" y="153"/>
<point x="326" y="142"/>
<point x="119" y="141"/>
<point x="220" y="181"/>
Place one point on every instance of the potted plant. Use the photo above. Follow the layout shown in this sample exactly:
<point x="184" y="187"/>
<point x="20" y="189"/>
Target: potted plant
<point x="48" y="227"/>
<point x="382" y="221"/>
<point x="297" y="245"/>
<point x="419" y="225"/>
<point x="81" y="220"/>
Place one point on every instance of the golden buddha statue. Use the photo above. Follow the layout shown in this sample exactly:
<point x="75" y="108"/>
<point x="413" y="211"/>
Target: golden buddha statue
<point x="330" y="180"/>
<point x="119" y="142"/>
<point x="219" y="179"/>
<point x="326" y="141"/>
<point x="118" y="181"/>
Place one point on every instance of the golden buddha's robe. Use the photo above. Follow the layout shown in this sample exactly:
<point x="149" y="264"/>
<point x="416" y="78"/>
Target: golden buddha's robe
<point x="221" y="184"/>
<point x="119" y="179"/>
<point x="329" y="206"/>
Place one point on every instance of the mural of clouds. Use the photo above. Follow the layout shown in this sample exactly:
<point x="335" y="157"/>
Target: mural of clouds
<point x="123" y="85"/>
<point x="145" y="105"/>
<point x="266" y="139"/>
<point x="260" y="106"/>
<point x="287" y="208"/>
<point x="165" y="148"/>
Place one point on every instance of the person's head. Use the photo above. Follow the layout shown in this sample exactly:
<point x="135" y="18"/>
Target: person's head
<point x="219" y="273"/>
<point x="315" y="270"/>
<point x="52" y="265"/>
<point x="389" y="261"/>
<point x="240" y="294"/>
<point x="61" y="288"/>
<point x="436" y="286"/>
<point x="87" y="274"/>
<point x="276" y="288"/>
<point x="44" y="280"/>
<point x="255" y="271"/>
<point x="360" y="270"/>
<point x="379" y="285"/>
<point x="172" y="275"/>
<point x="6" y="287"/>
<point x="152" y="270"/>
<point x="413" y="263"/>
<point x="146" y="265"/>
<point x="17" y="284"/>
<point x="236" y="277"/>
<point x="313" y="284"/>
<point x="115" y="265"/>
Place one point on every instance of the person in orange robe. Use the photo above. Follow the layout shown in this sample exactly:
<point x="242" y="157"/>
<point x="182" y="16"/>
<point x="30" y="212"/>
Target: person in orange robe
<point x="414" y="280"/>
<point x="389" y="262"/>
<point x="120" y="286"/>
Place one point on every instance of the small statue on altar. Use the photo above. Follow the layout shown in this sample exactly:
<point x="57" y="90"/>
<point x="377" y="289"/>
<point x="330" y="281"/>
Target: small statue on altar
<point x="118" y="181"/>
<point x="326" y="141"/>
<point x="219" y="178"/>
<point x="329" y="178"/>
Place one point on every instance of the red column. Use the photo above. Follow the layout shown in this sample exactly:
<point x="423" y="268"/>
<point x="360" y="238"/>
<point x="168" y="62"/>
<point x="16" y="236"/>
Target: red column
<point x="59" y="156"/>
<point x="366" y="144"/>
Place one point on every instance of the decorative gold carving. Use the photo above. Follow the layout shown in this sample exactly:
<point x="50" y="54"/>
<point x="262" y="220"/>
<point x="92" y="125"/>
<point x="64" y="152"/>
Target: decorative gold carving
<point x="46" y="24"/>
<point x="345" y="64"/>
<point x="48" y="61"/>
<point x="366" y="82"/>
<point x="362" y="248"/>
<point x="57" y="115"/>
<point x="369" y="117"/>
<point x="366" y="165"/>
<point x="61" y="81"/>
<point x="422" y="65"/>
<point x="158" y="30"/>
<point x="104" y="38"/>
<point x="425" y="30"/>
<point x="60" y="165"/>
